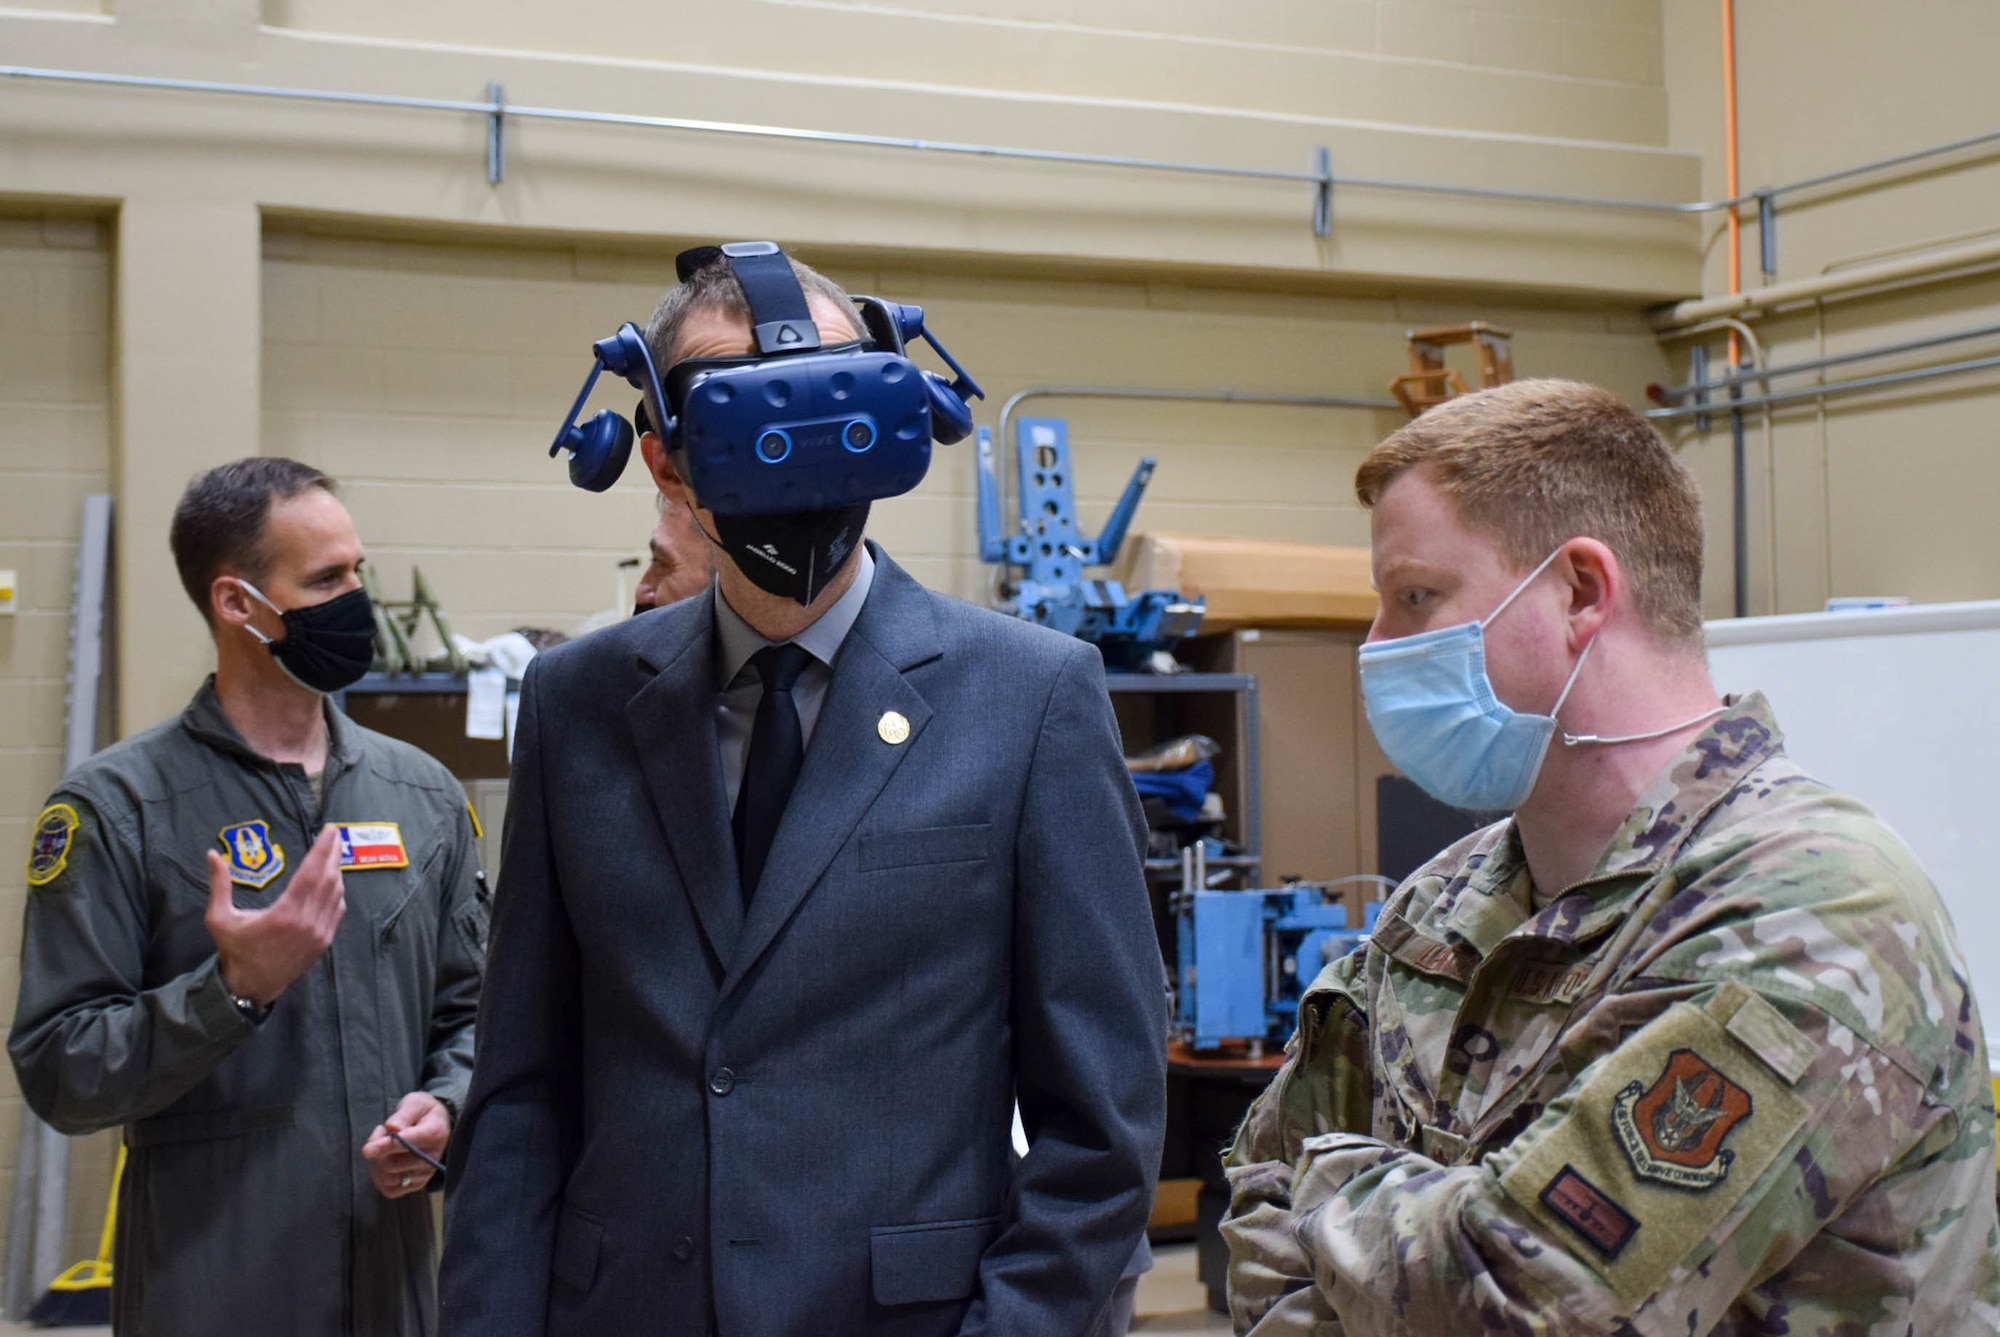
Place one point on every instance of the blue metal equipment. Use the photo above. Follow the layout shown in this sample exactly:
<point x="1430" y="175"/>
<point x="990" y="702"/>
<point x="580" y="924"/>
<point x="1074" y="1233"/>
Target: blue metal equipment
<point x="1247" y="957"/>
<point x="1050" y="552"/>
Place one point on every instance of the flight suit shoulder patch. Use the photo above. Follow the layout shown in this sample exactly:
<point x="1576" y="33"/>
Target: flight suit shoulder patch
<point x="1657" y="1149"/>
<point x="55" y="835"/>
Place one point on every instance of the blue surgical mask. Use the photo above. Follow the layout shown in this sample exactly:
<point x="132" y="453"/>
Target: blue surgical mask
<point x="1434" y="712"/>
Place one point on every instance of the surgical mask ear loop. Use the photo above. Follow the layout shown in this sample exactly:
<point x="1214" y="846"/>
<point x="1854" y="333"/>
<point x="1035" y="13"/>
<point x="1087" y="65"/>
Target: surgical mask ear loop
<point x="1527" y="581"/>
<point x="258" y="595"/>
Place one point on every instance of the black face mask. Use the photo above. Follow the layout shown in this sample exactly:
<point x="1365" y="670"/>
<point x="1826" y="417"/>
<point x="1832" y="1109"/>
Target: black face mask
<point x="792" y="556"/>
<point x="327" y="646"/>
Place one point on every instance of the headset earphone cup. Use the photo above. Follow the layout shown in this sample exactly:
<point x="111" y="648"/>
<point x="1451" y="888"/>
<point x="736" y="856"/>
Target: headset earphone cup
<point x="599" y="451"/>
<point x="951" y="417"/>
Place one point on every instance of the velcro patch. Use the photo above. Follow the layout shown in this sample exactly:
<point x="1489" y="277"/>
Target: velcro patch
<point x="371" y="845"/>
<point x="254" y="858"/>
<point x="55" y="832"/>
<point x="1589" y="1210"/>
<point x="1646" y="1135"/>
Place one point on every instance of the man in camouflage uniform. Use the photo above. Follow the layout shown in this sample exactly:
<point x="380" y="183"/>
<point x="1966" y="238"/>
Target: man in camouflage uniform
<point x="1686" y="1045"/>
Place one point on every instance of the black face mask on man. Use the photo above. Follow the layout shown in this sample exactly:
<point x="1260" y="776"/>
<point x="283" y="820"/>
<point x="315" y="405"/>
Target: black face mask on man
<point x="327" y="646"/>
<point x="792" y="556"/>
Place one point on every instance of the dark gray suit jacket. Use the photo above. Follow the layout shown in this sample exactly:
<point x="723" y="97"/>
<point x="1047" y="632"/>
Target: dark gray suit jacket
<point x="689" y="1118"/>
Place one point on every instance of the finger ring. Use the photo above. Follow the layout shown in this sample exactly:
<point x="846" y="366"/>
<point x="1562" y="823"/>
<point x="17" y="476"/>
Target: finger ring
<point x="404" y="1182"/>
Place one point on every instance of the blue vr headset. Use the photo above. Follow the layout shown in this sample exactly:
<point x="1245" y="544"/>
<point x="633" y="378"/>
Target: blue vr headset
<point x="795" y="426"/>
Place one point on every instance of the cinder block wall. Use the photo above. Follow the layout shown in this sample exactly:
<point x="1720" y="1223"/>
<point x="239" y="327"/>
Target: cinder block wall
<point x="55" y="448"/>
<point x="430" y="378"/>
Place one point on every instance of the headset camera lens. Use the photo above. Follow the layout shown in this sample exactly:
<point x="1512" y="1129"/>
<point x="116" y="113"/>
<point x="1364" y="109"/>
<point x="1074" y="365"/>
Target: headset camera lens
<point x="860" y="435"/>
<point x="773" y="446"/>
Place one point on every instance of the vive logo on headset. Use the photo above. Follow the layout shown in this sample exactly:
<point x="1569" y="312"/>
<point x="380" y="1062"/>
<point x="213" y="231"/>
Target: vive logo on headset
<point x="795" y="427"/>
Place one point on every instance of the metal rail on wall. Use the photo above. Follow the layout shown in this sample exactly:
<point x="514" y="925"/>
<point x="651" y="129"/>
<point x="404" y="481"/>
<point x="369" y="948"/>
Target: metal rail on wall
<point x="1321" y="176"/>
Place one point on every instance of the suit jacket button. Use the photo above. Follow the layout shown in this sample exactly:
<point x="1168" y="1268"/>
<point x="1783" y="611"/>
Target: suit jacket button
<point x="683" y="1248"/>
<point x="723" y="1082"/>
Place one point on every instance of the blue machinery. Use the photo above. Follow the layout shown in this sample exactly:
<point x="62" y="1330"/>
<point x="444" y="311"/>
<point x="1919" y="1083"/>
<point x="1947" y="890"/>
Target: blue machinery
<point x="1051" y="551"/>
<point x="1247" y="957"/>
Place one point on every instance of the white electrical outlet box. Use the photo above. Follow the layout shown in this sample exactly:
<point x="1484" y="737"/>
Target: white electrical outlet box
<point x="9" y="586"/>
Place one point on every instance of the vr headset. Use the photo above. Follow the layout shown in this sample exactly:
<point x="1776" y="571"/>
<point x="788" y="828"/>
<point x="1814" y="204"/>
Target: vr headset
<point x="797" y="425"/>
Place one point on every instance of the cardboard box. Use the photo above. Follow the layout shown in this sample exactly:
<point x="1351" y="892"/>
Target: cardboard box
<point x="1254" y="583"/>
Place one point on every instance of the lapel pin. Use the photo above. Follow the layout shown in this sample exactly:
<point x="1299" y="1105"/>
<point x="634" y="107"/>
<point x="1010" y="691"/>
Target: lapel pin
<point x="893" y="728"/>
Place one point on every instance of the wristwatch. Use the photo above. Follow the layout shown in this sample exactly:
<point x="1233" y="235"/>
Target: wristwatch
<point x="254" y="1013"/>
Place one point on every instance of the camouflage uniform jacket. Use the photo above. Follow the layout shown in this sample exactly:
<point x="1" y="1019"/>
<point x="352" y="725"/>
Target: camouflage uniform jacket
<point x="1732" y="1082"/>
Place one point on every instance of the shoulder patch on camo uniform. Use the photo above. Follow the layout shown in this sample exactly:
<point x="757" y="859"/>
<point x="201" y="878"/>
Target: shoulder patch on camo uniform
<point x="55" y="832"/>
<point x="254" y="858"/>
<point x="371" y="845"/>
<point x="1644" y="1134"/>
<point x="1672" y="1131"/>
<point x="1589" y="1210"/>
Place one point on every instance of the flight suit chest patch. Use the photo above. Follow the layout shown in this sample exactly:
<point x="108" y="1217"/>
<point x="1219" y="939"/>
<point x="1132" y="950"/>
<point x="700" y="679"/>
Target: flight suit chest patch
<point x="366" y="845"/>
<point x="254" y="858"/>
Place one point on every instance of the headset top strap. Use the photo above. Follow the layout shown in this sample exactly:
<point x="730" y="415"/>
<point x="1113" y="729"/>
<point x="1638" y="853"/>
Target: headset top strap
<point x="779" y="317"/>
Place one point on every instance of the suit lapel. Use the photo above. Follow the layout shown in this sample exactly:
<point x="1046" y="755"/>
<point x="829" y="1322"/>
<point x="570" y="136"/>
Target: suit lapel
<point x="848" y="761"/>
<point x="673" y="725"/>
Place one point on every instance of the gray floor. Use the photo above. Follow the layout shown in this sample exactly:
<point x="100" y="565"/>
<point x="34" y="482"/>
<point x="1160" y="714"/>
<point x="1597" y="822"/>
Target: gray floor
<point x="1170" y="1300"/>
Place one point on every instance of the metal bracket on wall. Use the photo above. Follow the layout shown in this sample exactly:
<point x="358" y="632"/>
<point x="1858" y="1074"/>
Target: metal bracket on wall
<point x="1323" y="192"/>
<point x="496" y="135"/>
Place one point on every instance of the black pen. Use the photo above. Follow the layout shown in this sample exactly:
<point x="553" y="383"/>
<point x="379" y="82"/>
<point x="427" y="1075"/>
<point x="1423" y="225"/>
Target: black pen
<point x="418" y="1152"/>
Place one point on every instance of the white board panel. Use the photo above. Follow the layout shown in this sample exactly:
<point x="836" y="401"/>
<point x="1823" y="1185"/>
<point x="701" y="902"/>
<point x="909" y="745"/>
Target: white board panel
<point x="1901" y="708"/>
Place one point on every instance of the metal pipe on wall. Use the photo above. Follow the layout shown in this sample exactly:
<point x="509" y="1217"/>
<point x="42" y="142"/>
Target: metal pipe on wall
<point x="1836" y="387"/>
<point x="1321" y="175"/>
<point x="1824" y="286"/>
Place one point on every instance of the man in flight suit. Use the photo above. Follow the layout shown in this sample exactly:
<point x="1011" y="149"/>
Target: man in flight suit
<point x="255" y="936"/>
<point x="1683" y="1046"/>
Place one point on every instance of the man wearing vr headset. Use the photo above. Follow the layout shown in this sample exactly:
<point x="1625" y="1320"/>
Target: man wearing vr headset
<point x="808" y="880"/>
<point x="1682" y="1047"/>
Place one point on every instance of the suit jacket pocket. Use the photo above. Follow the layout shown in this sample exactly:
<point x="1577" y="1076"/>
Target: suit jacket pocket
<point x="936" y="1260"/>
<point x="927" y="845"/>
<point x="579" y="1239"/>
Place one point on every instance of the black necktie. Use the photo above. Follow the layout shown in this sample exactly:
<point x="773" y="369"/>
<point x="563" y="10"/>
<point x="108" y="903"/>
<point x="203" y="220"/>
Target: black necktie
<point x="777" y="748"/>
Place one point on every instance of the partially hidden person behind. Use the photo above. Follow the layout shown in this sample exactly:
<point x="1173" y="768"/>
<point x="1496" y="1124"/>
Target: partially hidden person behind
<point x="807" y="881"/>
<point x="679" y="562"/>
<point x="1685" y="1045"/>
<point x="254" y="938"/>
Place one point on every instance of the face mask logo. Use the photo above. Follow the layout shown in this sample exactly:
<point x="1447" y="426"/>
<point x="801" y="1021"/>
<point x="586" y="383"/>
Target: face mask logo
<point x="1433" y="710"/>
<point x="792" y="556"/>
<point x="327" y="646"/>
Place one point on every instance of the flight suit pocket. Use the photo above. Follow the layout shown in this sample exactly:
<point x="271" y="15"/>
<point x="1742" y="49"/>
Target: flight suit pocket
<point x="929" y="845"/>
<point x="206" y="1125"/>
<point x="579" y="1240"/>
<point x="937" y="1260"/>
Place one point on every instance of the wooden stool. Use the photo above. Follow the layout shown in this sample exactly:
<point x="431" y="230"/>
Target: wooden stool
<point x="1429" y="382"/>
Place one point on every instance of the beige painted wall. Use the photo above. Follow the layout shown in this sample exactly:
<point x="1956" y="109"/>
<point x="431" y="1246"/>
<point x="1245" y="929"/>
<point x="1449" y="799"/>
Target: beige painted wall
<point x="430" y="378"/>
<point x="343" y="284"/>
<point x="55" y="448"/>
<point x="1883" y="493"/>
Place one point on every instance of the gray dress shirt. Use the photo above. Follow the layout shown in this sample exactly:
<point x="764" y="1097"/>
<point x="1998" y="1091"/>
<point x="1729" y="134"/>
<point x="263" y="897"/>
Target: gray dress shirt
<point x="736" y="641"/>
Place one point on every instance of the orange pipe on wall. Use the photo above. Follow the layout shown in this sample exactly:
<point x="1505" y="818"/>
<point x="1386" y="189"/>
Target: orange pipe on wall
<point x="1729" y="162"/>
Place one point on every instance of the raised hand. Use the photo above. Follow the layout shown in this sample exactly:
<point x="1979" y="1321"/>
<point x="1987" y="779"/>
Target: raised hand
<point x="262" y="951"/>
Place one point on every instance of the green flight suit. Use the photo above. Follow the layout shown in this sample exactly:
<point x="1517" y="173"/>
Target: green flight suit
<point x="246" y="1207"/>
<point x="1733" y="1081"/>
